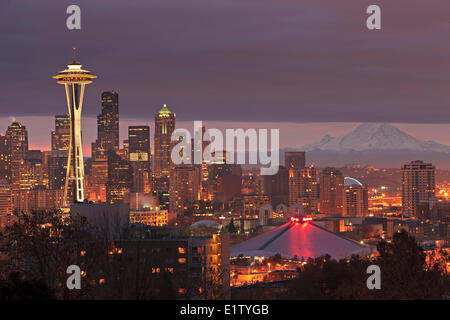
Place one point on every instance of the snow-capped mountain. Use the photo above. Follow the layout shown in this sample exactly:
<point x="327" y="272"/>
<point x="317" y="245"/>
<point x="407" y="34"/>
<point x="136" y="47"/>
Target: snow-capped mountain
<point x="376" y="137"/>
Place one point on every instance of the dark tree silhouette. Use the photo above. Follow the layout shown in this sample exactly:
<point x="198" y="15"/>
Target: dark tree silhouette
<point x="405" y="274"/>
<point x="15" y="288"/>
<point x="41" y="245"/>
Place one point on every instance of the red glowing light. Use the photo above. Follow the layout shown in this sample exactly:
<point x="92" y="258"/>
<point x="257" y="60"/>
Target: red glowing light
<point x="307" y="219"/>
<point x="293" y="219"/>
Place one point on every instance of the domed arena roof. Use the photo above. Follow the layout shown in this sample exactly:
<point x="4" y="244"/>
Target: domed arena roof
<point x="305" y="240"/>
<point x="205" y="223"/>
<point x="349" y="181"/>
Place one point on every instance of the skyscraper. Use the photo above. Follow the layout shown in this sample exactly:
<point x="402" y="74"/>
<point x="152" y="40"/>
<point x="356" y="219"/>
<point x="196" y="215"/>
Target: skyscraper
<point x="296" y="160"/>
<point x="107" y="126"/>
<point x="57" y="159"/>
<point x="6" y="201"/>
<point x="303" y="188"/>
<point x="356" y="201"/>
<point x="418" y="185"/>
<point x="218" y="169"/>
<point x="294" y="163"/>
<point x="96" y="180"/>
<point x="36" y="172"/>
<point x="277" y="187"/>
<point x="57" y="170"/>
<point x="140" y="156"/>
<point x="17" y="140"/>
<point x="61" y="134"/>
<point x="164" y="127"/>
<point x="74" y="80"/>
<point x="126" y="149"/>
<point x="120" y="178"/>
<point x="308" y="190"/>
<point x="184" y="188"/>
<point x="139" y="143"/>
<point x="5" y="165"/>
<point x="294" y="186"/>
<point x="331" y="191"/>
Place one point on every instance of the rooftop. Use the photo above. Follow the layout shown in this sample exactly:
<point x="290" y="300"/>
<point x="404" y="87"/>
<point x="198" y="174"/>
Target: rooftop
<point x="165" y="110"/>
<point x="304" y="240"/>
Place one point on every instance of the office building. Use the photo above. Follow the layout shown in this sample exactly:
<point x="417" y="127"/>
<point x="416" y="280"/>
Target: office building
<point x="295" y="159"/>
<point x="184" y="188"/>
<point x="418" y="186"/>
<point x="139" y="154"/>
<point x="5" y="159"/>
<point x="120" y="178"/>
<point x="107" y="126"/>
<point x="61" y="135"/>
<point x="150" y="217"/>
<point x="164" y="127"/>
<point x="17" y="140"/>
<point x="331" y="191"/>
<point x="355" y="200"/>
<point x="6" y="200"/>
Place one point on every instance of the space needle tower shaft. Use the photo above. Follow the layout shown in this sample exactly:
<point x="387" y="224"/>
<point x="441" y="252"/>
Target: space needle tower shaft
<point x="74" y="79"/>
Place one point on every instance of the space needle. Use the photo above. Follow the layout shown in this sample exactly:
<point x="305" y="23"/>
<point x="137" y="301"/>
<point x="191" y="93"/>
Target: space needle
<point x="74" y="79"/>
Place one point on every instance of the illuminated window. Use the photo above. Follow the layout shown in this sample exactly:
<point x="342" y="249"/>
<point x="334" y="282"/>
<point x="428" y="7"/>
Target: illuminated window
<point x="82" y="253"/>
<point x="101" y="281"/>
<point x="181" y="260"/>
<point x="181" y="250"/>
<point x="182" y="290"/>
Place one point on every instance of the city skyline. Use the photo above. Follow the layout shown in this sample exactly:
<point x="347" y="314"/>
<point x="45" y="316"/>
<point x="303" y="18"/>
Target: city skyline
<point x="40" y="126"/>
<point x="227" y="150"/>
<point x="109" y="137"/>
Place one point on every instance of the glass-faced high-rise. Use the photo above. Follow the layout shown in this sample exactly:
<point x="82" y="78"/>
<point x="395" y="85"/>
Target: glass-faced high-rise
<point x="164" y="126"/>
<point x="331" y="191"/>
<point x="120" y="178"/>
<point x="108" y="121"/>
<point x="17" y="145"/>
<point x="61" y="134"/>
<point x="418" y="186"/>
<point x="107" y="126"/>
<point x="139" y="155"/>
<point x="57" y="159"/>
<point x="139" y="143"/>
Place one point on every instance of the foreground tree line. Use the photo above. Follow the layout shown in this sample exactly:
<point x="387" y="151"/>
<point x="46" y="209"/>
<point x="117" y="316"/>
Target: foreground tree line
<point x="36" y="250"/>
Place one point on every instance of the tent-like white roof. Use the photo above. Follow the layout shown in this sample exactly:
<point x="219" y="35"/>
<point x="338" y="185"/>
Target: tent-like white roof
<point x="305" y="240"/>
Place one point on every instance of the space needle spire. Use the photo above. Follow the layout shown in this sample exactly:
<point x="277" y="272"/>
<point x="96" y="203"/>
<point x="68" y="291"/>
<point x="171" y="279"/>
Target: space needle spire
<point x="74" y="54"/>
<point x="74" y="79"/>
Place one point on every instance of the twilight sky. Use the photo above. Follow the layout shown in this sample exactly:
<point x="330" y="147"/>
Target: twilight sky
<point x="302" y="66"/>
